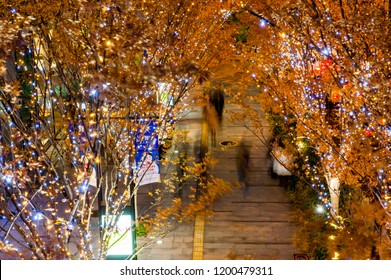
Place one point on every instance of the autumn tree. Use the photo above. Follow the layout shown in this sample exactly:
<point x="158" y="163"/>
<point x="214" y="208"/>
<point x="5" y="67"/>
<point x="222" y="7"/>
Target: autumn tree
<point x="323" y="73"/>
<point x="84" y="85"/>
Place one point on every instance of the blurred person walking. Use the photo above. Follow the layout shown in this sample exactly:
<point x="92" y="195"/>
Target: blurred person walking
<point x="217" y="99"/>
<point x="242" y="164"/>
<point x="212" y="120"/>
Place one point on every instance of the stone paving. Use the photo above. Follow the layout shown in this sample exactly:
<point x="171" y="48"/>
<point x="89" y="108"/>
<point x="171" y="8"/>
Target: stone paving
<point x="252" y="224"/>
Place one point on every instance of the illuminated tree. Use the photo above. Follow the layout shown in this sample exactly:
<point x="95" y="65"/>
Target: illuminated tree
<point x="84" y="84"/>
<point x="322" y="68"/>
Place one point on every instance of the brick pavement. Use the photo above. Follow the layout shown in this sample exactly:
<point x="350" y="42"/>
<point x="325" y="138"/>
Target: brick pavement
<point x="252" y="225"/>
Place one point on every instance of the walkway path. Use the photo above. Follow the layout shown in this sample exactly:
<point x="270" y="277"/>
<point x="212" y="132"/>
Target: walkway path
<point x="252" y="225"/>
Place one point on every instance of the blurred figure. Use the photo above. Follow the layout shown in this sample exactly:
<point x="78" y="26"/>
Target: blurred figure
<point x="197" y="150"/>
<point x="200" y="152"/>
<point x="212" y="120"/>
<point x="181" y="149"/>
<point x="242" y="164"/>
<point x="217" y="99"/>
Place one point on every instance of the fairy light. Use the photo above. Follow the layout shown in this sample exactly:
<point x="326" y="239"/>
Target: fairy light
<point x="320" y="209"/>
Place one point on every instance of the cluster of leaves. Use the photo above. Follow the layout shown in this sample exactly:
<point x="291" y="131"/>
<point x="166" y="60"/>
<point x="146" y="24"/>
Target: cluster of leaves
<point x="357" y="236"/>
<point x="311" y="235"/>
<point x="324" y="65"/>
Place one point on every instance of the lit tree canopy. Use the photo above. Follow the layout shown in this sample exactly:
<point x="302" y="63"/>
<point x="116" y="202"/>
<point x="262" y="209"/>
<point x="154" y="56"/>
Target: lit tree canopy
<point x="323" y="67"/>
<point x="81" y="81"/>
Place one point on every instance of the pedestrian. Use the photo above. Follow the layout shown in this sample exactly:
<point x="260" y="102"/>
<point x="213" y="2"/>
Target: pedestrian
<point x="217" y="98"/>
<point x="242" y="164"/>
<point x="212" y="120"/>
<point x="197" y="150"/>
<point x="182" y="148"/>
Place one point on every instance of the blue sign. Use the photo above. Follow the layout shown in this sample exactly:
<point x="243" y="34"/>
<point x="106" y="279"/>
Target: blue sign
<point x="147" y="154"/>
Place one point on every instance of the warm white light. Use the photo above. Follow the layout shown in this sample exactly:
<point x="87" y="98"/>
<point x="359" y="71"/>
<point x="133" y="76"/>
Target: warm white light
<point x="319" y="209"/>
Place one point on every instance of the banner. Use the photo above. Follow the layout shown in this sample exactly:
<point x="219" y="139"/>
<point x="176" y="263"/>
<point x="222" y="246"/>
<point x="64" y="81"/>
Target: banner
<point x="147" y="155"/>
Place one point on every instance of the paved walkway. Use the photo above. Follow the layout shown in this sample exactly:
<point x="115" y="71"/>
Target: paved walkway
<point x="245" y="225"/>
<point x="253" y="222"/>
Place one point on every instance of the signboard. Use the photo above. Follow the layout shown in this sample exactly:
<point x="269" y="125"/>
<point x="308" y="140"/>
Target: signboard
<point x="121" y="243"/>
<point x="147" y="155"/>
